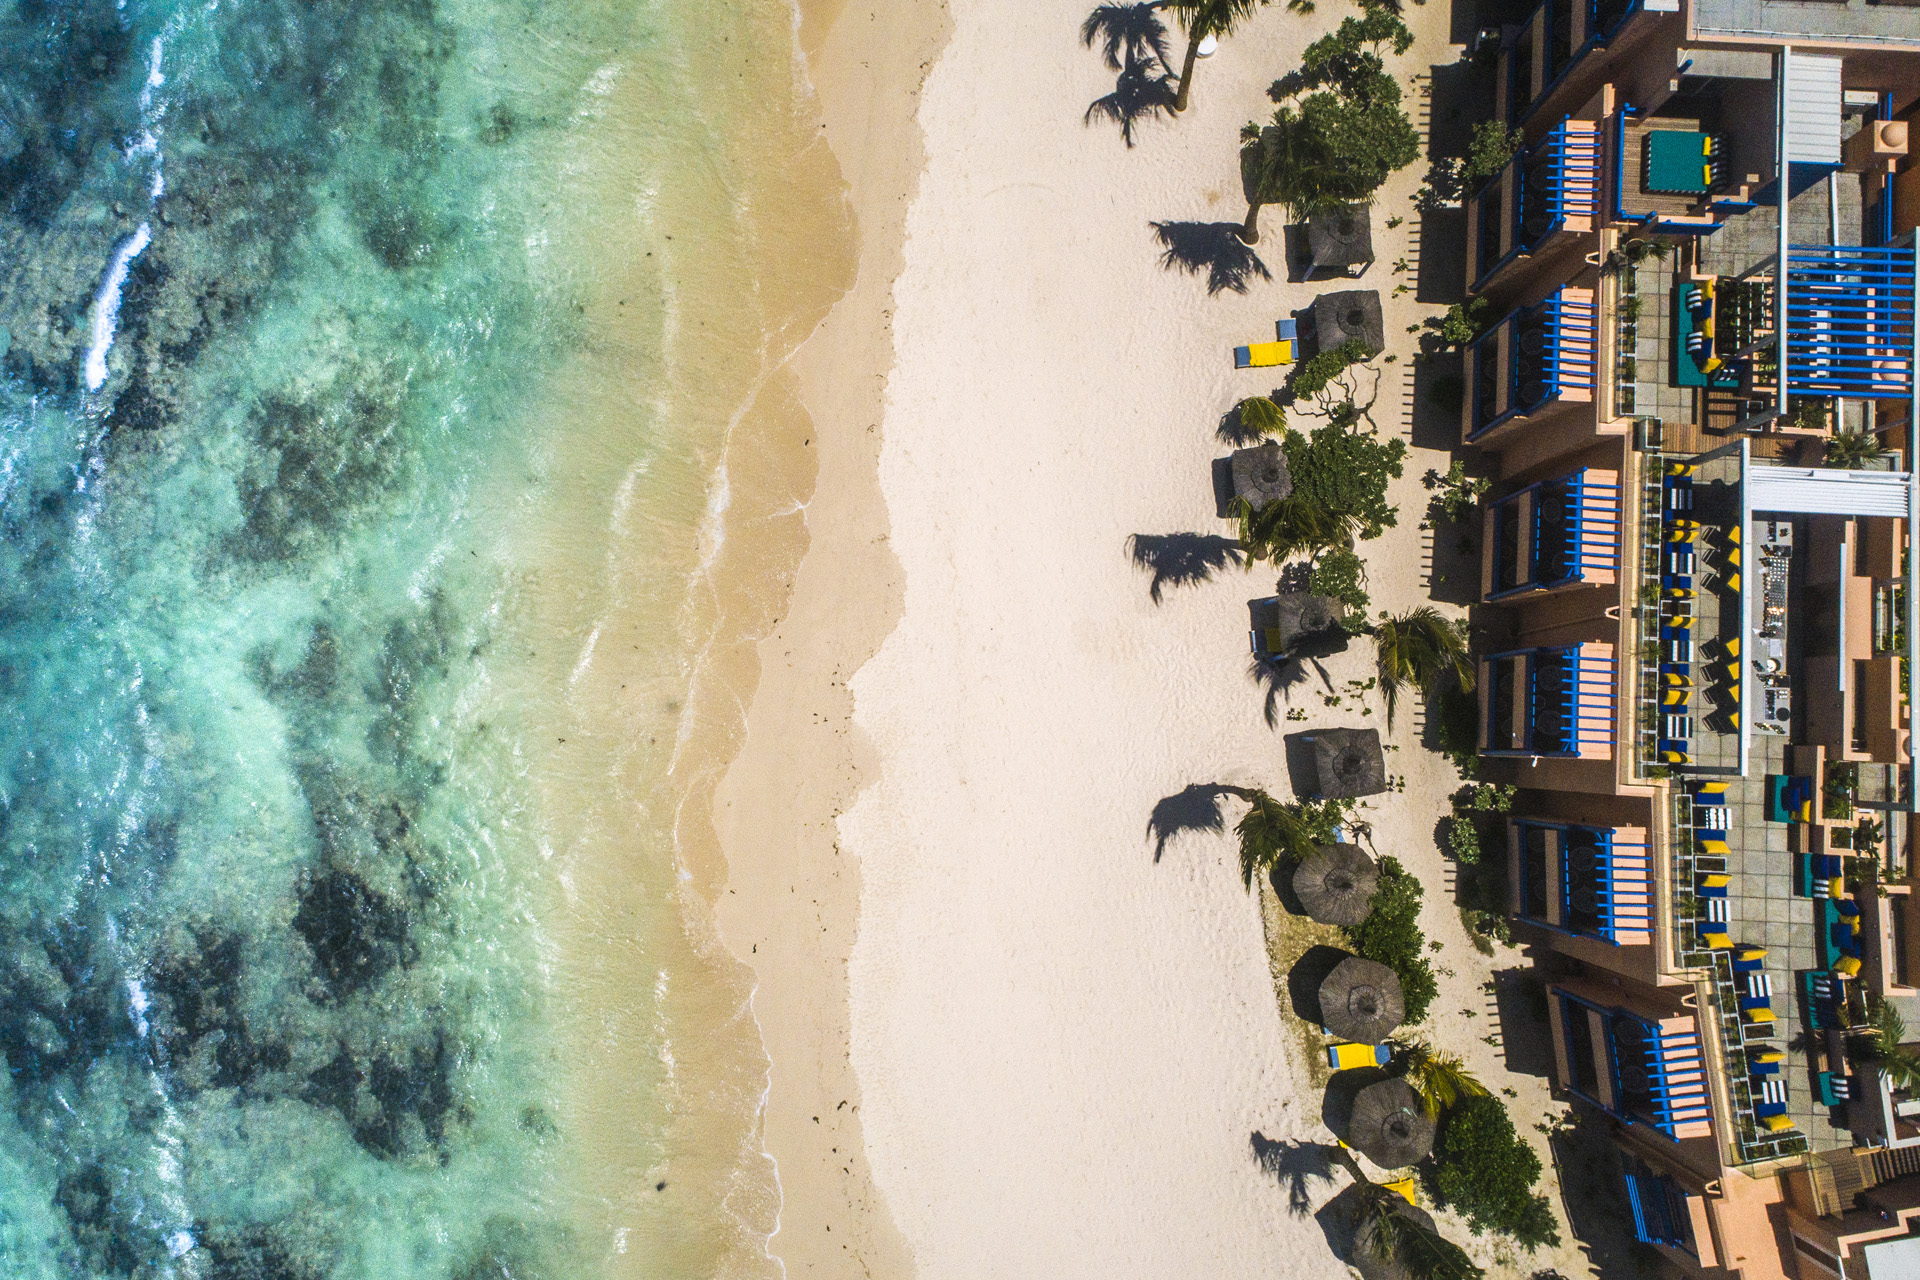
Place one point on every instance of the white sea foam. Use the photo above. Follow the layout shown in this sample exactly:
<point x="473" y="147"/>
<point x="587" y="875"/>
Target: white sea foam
<point x="106" y="304"/>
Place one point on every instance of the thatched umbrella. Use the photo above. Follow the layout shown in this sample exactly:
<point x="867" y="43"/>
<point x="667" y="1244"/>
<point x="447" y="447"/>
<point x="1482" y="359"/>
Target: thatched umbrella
<point x="1349" y="313"/>
<point x="1390" y="1126"/>
<point x="1361" y="1001"/>
<point x="1369" y="1263"/>
<point x="1260" y="474"/>
<point x="1349" y="763"/>
<point x="1341" y="236"/>
<point x="1282" y="621"/>
<point x="1336" y="884"/>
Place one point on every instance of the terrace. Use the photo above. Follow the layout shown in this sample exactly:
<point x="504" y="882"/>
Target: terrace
<point x="1534" y="360"/>
<point x="1547" y="195"/>
<point x="1779" y="704"/>
<point x="1553" y="534"/>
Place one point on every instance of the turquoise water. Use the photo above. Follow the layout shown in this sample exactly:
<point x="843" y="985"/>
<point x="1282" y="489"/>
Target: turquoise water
<point x="277" y="993"/>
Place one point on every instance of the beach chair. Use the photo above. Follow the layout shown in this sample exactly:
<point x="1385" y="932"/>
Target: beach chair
<point x="1286" y="329"/>
<point x="1262" y="355"/>
<point x="1715" y="940"/>
<point x="1777" y="1122"/>
<point x="1344" y="1056"/>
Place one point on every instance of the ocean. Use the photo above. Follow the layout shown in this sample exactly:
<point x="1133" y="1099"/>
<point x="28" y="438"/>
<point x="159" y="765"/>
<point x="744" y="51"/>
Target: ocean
<point x="368" y="376"/>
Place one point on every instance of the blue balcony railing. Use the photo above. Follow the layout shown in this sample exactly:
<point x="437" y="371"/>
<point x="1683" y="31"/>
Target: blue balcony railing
<point x="1555" y="180"/>
<point x="1536" y="355"/>
<point x="1601" y="886"/>
<point x="1557" y="532"/>
<point x="1850" y="321"/>
<point x="1592" y="23"/>
<point x="1565" y="702"/>
<point x="1656" y="1073"/>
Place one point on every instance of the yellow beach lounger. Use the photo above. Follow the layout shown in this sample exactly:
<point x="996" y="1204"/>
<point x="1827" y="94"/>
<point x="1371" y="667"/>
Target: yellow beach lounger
<point x="1342" y="1057"/>
<point x="1262" y="355"/>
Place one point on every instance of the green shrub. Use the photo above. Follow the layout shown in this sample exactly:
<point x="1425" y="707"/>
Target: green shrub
<point x="1463" y="322"/>
<point x="1391" y="935"/>
<point x="1340" y="573"/>
<point x="1492" y="147"/>
<point x="1347" y="470"/>
<point x="1482" y="1168"/>
<point x="1463" y="839"/>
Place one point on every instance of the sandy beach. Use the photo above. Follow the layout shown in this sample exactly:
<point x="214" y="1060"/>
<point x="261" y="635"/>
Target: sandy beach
<point x="1009" y="1036"/>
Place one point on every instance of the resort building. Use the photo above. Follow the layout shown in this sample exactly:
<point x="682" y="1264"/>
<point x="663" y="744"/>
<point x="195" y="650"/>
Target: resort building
<point x="1695" y="386"/>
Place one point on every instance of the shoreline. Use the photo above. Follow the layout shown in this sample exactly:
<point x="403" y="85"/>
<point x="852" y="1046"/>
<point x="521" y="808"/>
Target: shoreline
<point x="799" y="765"/>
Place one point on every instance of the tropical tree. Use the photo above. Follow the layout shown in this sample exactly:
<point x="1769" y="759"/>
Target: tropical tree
<point x="1260" y="415"/>
<point x="1886" y="1038"/>
<point x="1127" y="33"/>
<point x="1851" y="450"/>
<point x="1441" y="1079"/>
<point x="1418" y="648"/>
<point x="1275" y="834"/>
<point x="1487" y="1172"/>
<point x="1295" y="525"/>
<point x="1263" y="175"/>
<point x="1394" y="1235"/>
<point x="1203" y="18"/>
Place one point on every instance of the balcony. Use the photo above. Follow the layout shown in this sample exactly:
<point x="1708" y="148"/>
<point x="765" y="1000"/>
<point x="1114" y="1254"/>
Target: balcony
<point x="1596" y="882"/>
<point x="1535" y="359"/>
<point x="1642" y="1069"/>
<point x="1547" y="193"/>
<point x="1663" y="1212"/>
<point x="1555" y="701"/>
<point x="1671" y="174"/>
<point x="1544" y="51"/>
<point x="1556" y="533"/>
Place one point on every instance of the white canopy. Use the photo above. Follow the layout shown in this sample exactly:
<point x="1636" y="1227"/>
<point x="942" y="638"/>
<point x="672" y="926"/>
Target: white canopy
<point x="1825" y="491"/>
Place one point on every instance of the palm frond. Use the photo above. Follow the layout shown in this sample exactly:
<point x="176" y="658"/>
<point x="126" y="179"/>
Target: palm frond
<point x="1213" y="17"/>
<point x="1418" y="648"/>
<point x="1441" y="1079"/>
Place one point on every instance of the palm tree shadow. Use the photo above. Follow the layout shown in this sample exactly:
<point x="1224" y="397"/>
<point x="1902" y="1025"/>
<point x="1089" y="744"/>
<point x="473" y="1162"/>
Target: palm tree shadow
<point x="1214" y="248"/>
<point x="1182" y="559"/>
<point x="1279" y="676"/>
<point x="1232" y="431"/>
<point x="1140" y="93"/>
<point x="1297" y="1165"/>
<point x="1193" y="808"/>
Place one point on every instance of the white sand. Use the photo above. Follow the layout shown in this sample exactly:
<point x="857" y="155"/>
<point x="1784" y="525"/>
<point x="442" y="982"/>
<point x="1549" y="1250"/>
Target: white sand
<point x="1064" y="1049"/>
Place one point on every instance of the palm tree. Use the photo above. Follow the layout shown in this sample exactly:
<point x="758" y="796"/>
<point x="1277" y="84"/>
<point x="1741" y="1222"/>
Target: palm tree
<point x="1262" y="174"/>
<point x="1851" y="450"/>
<point x="1886" y="1041"/>
<point x="1271" y="834"/>
<point x="1441" y="1079"/>
<point x="1291" y="526"/>
<point x="1418" y="648"/>
<point x="1203" y="18"/>
<point x="1397" y="1236"/>
<point x="1293" y="173"/>
<point x="1127" y="33"/>
<point x="1260" y="415"/>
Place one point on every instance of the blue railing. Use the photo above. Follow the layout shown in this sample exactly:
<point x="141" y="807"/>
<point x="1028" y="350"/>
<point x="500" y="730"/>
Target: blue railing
<point x="1568" y="705"/>
<point x="1651" y="219"/>
<point x="1850" y="321"/>
<point x="1564" y="333"/>
<point x="1605" y="19"/>
<point x="1621" y="904"/>
<point x="1658" y="1206"/>
<point x="1574" y="530"/>
<point x="1557" y="178"/>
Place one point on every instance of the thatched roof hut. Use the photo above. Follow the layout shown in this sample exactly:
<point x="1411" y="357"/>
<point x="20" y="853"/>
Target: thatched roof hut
<point x="1390" y="1126"/>
<point x="1348" y="313"/>
<point x="1361" y="1001"/>
<point x="1260" y="474"/>
<point x="1280" y="622"/>
<point x="1348" y="763"/>
<point x="1340" y="238"/>
<point x="1336" y="884"/>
